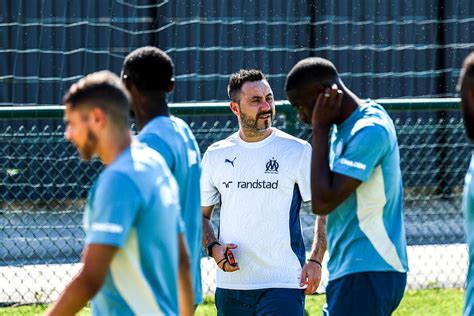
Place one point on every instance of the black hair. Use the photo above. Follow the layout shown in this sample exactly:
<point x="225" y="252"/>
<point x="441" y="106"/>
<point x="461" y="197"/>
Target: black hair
<point x="237" y="80"/>
<point x="149" y="69"/>
<point x="311" y="70"/>
<point x="467" y="69"/>
<point x="104" y="90"/>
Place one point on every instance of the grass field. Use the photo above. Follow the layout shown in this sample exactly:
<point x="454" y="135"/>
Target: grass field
<point x="431" y="302"/>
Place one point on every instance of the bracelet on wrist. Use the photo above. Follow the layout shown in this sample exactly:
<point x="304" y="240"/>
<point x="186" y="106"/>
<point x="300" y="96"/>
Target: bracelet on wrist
<point x="316" y="261"/>
<point x="209" y="247"/>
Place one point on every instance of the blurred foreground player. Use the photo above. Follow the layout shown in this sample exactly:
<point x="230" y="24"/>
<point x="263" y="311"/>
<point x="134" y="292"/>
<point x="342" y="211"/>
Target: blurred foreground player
<point x="466" y="89"/>
<point x="356" y="179"/>
<point x="132" y="215"/>
<point x="148" y="76"/>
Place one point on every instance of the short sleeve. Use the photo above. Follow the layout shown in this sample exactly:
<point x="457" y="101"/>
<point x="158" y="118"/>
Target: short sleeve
<point x="115" y="205"/>
<point x="363" y="152"/>
<point x="181" y="225"/>
<point x="209" y="193"/>
<point x="303" y="177"/>
<point x="158" y="144"/>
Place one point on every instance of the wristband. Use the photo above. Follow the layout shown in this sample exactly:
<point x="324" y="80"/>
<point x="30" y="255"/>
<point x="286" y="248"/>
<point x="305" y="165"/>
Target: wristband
<point x="316" y="261"/>
<point x="209" y="247"/>
<point x="219" y="262"/>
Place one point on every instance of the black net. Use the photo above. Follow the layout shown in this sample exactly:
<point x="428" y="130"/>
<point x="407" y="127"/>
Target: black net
<point x="44" y="186"/>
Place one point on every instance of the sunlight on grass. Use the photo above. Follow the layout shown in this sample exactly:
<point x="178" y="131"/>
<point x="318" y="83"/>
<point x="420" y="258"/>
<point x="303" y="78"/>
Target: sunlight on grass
<point x="433" y="302"/>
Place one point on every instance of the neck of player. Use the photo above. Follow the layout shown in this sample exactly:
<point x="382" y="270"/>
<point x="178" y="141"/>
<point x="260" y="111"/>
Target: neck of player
<point x="146" y="109"/>
<point x="253" y="136"/>
<point x="113" y="144"/>
<point x="350" y="103"/>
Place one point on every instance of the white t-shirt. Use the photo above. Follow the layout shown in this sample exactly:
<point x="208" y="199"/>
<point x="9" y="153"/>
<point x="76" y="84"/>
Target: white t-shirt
<point x="260" y="187"/>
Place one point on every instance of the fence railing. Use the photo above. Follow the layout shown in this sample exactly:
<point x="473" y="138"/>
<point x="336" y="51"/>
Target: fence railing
<point x="44" y="186"/>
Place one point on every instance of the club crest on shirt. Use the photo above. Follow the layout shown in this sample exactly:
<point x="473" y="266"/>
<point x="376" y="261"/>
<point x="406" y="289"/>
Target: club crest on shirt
<point x="272" y="166"/>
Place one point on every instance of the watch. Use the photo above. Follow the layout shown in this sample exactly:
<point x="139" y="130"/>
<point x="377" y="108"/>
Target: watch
<point x="209" y="247"/>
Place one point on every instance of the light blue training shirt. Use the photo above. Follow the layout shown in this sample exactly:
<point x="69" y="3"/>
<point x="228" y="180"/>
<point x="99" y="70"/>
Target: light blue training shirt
<point x="468" y="207"/>
<point x="366" y="231"/>
<point x="133" y="205"/>
<point x="174" y="140"/>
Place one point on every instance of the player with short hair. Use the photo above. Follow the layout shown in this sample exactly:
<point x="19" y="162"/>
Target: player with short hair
<point x="148" y="75"/>
<point x="466" y="89"/>
<point x="132" y="220"/>
<point x="259" y="176"/>
<point x="356" y="179"/>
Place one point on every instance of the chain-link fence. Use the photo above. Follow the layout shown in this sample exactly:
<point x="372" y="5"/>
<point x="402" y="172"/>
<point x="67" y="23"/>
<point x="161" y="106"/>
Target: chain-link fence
<point x="44" y="186"/>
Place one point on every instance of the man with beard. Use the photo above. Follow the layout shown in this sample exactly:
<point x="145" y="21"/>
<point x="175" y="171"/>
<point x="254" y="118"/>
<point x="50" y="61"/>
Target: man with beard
<point x="466" y="89"/>
<point x="356" y="179"/>
<point x="259" y="176"/>
<point x="132" y="218"/>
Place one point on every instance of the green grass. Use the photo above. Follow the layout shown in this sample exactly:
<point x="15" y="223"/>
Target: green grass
<point x="31" y="310"/>
<point x="431" y="302"/>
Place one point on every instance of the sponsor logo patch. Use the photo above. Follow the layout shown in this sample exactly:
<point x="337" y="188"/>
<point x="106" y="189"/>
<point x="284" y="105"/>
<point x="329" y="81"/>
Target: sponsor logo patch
<point x="257" y="184"/>
<point x="107" y="228"/>
<point x="354" y="164"/>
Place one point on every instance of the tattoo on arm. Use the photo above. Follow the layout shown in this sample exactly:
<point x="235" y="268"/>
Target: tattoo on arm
<point x="207" y="229"/>
<point x="320" y="241"/>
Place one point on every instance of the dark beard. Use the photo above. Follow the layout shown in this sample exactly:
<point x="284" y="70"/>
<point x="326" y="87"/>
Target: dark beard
<point x="251" y="124"/>
<point x="88" y="150"/>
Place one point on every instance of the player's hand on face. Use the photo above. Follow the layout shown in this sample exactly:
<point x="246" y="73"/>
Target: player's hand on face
<point x="327" y="108"/>
<point x="219" y="255"/>
<point x="311" y="276"/>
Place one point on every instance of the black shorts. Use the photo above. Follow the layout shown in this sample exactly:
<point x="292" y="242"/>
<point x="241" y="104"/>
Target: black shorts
<point x="276" y="301"/>
<point x="365" y="293"/>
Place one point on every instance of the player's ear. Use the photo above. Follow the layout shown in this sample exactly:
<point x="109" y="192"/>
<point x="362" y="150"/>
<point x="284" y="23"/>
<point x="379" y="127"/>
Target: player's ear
<point x="125" y="79"/>
<point x="234" y="107"/>
<point x="170" y="86"/>
<point x="97" y="116"/>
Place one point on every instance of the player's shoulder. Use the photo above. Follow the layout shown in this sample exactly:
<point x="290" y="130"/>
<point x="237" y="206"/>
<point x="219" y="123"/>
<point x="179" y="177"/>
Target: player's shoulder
<point x="141" y="165"/>
<point x="289" y="140"/>
<point x="182" y="128"/>
<point x="139" y="158"/>
<point x="373" y="110"/>
<point x="373" y="119"/>
<point x="223" y="145"/>
<point x="114" y="179"/>
<point x="179" y="122"/>
<point x="164" y="126"/>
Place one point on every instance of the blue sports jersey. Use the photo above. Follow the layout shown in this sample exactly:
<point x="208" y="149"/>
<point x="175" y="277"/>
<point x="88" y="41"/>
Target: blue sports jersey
<point x="468" y="207"/>
<point x="134" y="206"/>
<point x="173" y="139"/>
<point x="366" y="231"/>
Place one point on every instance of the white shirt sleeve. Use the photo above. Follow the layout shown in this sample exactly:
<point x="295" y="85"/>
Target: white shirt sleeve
<point x="209" y="193"/>
<point x="303" y="176"/>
